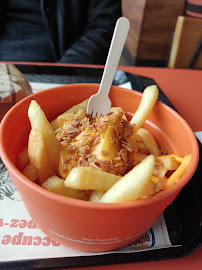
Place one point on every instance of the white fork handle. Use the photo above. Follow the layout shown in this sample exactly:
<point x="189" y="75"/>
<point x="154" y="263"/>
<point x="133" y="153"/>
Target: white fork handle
<point x="114" y="54"/>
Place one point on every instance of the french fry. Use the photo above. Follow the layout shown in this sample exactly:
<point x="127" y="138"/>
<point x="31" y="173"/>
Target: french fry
<point x="147" y="103"/>
<point x="39" y="156"/>
<point x="79" y="106"/>
<point x="155" y="185"/>
<point x="58" y="122"/>
<point x="140" y="146"/>
<point x="96" y="195"/>
<point x="155" y="179"/>
<point x="39" y="121"/>
<point x="149" y="190"/>
<point x="169" y="162"/>
<point x="164" y="185"/>
<point x="149" y="141"/>
<point x="133" y="143"/>
<point x="68" y="114"/>
<point x="90" y="179"/>
<point x="133" y="160"/>
<point x="159" y="170"/>
<point x="131" y="186"/>
<point x="140" y="157"/>
<point x="136" y="158"/>
<point x="180" y="171"/>
<point x="23" y="159"/>
<point x="117" y="109"/>
<point x="30" y="172"/>
<point x="56" y="184"/>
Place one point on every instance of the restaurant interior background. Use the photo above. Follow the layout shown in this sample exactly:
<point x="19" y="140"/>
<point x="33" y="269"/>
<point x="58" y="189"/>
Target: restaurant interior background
<point x="163" y="33"/>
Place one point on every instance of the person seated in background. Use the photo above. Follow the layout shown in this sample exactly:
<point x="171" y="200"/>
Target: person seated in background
<point x="65" y="31"/>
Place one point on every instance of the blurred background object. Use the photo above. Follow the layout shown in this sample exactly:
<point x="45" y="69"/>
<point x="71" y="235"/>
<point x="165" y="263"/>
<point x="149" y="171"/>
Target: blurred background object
<point x="163" y="33"/>
<point x="152" y="25"/>
<point x="14" y="86"/>
<point x="186" y="50"/>
<point x="194" y="8"/>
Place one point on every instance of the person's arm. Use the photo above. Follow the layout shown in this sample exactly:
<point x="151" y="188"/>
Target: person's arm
<point x="93" y="45"/>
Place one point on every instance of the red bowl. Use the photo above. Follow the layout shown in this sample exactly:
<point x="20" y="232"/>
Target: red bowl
<point x="84" y="225"/>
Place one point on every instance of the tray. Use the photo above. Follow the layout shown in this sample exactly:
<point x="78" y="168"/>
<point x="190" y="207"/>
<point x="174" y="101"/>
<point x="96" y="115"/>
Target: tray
<point x="183" y="217"/>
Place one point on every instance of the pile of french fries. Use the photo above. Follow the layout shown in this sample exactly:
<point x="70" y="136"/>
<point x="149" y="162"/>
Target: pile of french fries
<point x="151" y="171"/>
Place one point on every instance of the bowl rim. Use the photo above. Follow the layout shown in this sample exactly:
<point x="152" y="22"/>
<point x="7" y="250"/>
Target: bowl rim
<point x="97" y="205"/>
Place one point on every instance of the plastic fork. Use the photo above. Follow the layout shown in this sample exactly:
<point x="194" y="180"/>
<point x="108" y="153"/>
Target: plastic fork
<point x="100" y="103"/>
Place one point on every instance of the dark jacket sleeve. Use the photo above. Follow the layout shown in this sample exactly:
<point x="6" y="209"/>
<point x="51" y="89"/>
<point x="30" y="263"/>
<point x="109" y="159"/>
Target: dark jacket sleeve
<point x="93" y="45"/>
<point x="3" y="9"/>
